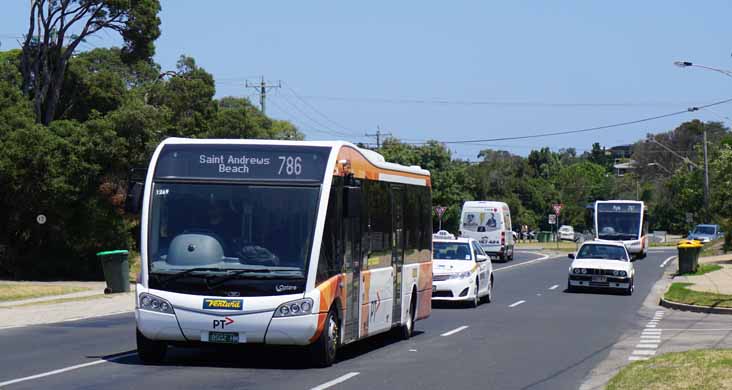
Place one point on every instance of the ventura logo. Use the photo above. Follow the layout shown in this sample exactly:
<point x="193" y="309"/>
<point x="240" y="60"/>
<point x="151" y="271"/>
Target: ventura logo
<point x="222" y="304"/>
<point x="284" y="287"/>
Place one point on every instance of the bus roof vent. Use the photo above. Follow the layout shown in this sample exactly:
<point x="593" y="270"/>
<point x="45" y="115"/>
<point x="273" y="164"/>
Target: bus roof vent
<point x="371" y="155"/>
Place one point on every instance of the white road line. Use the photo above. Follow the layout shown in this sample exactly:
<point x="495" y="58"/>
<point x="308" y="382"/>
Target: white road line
<point x="637" y="358"/>
<point x="66" y="369"/>
<point x="666" y="261"/>
<point x="516" y="303"/>
<point x="644" y="352"/>
<point x="651" y="326"/>
<point x="336" y="381"/>
<point x="650" y="337"/>
<point x="554" y="287"/>
<point x="701" y="330"/>
<point x="452" y="332"/>
<point x="542" y="258"/>
<point x="646" y="346"/>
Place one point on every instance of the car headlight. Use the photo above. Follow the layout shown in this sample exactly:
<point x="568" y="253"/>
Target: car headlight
<point x="460" y="275"/>
<point x="295" y="308"/>
<point x="155" y="303"/>
<point x="622" y="273"/>
<point x="580" y="270"/>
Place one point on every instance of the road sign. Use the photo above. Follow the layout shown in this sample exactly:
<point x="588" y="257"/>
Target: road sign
<point x="552" y="219"/>
<point x="557" y="208"/>
<point x="440" y="210"/>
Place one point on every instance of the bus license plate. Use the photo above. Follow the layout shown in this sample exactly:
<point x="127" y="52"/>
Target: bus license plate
<point x="223" y="337"/>
<point x="599" y="279"/>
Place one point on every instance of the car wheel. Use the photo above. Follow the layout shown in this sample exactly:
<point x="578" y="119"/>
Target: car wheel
<point x="325" y="349"/>
<point x="150" y="351"/>
<point x="631" y="287"/>
<point x="476" y="300"/>
<point x="570" y="288"/>
<point x="510" y="258"/>
<point x="488" y="298"/>
<point x="408" y="328"/>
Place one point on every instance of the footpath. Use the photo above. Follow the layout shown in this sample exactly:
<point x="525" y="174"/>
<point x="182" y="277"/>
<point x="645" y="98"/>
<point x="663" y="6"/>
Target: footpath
<point x="660" y="330"/>
<point x="66" y="307"/>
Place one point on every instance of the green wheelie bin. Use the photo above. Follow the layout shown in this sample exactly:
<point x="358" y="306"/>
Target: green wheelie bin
<point x="116" y="267"/>
<point x="688" y="255"/>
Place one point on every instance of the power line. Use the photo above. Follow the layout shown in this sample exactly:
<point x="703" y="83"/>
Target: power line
<point x="313" y="120"/>
<point x="326" y="117"/>
<point x="292" y="119"/>
<point x="585" y="130"/>
<point x="378" y="135"/>
<point x="443" y="101"/>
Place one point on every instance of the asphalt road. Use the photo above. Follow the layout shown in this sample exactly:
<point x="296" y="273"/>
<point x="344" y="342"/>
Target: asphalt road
<point x="533" y="336"/>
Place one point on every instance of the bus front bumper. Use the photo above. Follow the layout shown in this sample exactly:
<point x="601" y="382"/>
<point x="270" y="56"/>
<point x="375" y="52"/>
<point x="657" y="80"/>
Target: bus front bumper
<point x="258" y="328"/>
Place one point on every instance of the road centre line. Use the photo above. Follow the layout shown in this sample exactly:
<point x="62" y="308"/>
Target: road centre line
<point x="544" y="257"/>
<point x="516" y="303"/>
<point x="554" y="287"/>
<point x="70" y="368"/>
<point x="452" y="332"/>
<point x="666" y="261"/>
<point x="336" y="381"/>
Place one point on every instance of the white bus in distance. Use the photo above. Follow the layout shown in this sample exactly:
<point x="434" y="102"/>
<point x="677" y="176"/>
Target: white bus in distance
<point x="489" y="223"/>
<point x="316" y="244"/>
<point x="625" y="221"/>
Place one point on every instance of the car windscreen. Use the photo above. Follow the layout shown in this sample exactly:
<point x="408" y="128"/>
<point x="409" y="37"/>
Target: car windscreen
<point x="599" y="251"/>
<point x="265" y="229"/>
<point x="704" y="230"/>
<point x="451" y="251"/>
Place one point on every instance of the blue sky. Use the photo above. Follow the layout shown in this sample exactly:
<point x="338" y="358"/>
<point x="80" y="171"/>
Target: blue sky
<point x="333" y="55"/>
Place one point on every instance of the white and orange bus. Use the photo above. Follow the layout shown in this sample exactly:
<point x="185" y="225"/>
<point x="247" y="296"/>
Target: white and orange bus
<point x="316" y="244"/>
<point x="625" y="221"/>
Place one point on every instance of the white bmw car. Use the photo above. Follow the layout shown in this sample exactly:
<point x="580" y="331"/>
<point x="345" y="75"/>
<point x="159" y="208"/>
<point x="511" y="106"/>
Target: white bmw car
<point x="601" y="264"/>
<point x="461" y="271"/>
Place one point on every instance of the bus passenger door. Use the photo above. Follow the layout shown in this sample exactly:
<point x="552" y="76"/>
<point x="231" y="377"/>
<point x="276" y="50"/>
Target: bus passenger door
<point x="397" y="200"/>
<point x="352" y="258"/>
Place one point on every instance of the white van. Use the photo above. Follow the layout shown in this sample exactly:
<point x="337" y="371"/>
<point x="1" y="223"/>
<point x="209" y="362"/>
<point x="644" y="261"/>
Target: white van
<point x="489" y="223"/>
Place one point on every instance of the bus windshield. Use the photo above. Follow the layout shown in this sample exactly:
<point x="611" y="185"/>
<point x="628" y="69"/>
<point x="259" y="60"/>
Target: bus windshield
<point x="618" y="222"/>
<point x="212" y="228"/>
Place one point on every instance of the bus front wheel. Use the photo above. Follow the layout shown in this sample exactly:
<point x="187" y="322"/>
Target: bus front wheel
<point x="324" y="350"/>
<point x="407" y="329"/>
<point x="150" y="351"/>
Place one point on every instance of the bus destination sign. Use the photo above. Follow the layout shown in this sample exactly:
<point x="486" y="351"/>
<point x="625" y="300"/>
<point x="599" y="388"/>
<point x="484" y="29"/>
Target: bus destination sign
<point x="242" y="162"/>
<point x="619" y="207"/>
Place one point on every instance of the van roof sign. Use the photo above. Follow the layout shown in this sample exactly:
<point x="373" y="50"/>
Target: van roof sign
<point x="242" y="162"/>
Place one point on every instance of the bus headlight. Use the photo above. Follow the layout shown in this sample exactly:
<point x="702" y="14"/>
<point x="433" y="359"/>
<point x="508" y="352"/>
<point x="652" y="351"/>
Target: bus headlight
<point x="155" y="303"/>
<point x="294" y="308"/>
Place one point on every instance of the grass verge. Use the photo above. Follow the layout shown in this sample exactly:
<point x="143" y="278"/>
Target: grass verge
<point x="17" y="291"/>
<point x="705" y="269"/>
<point x="65" y="300"/>
<point x="679" y="292"/>
<point x="709" y="369"/>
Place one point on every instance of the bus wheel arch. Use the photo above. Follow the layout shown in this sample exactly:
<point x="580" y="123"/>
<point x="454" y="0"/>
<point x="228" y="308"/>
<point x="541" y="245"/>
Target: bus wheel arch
<point x="325" y="349"/>
<point x="407" y="329"/>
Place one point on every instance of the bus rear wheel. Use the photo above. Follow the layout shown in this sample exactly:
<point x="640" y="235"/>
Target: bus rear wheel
<point x="325" y="349"/>
<point x="150" y="351"/>
<point x="407" y="330"/>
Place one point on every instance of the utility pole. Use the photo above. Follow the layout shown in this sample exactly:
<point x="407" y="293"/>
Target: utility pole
<point x="378" y="135"/>
<point x="706" y="173"/>
<point x="262" y="87"/>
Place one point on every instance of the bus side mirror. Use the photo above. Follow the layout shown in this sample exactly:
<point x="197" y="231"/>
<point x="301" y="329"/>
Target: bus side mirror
<point x="133" y="201"/>
<point x="351" y="202"/>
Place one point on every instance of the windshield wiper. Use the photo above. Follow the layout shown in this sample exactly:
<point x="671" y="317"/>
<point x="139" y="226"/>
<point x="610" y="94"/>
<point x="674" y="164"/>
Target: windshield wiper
<point x="183" y="273"/>
<point x="234" y="273"/>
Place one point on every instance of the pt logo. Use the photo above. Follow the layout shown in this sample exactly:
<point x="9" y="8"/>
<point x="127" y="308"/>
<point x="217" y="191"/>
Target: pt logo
<point x="374" y="307"/>
<point x="221" y="324"/>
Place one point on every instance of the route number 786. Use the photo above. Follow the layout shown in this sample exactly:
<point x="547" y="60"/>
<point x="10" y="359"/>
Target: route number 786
<point x="290" y="165"/>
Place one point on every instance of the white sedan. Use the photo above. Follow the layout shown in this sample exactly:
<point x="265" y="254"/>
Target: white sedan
<point x="461" y="271"/>
<point x="601" y="265"/>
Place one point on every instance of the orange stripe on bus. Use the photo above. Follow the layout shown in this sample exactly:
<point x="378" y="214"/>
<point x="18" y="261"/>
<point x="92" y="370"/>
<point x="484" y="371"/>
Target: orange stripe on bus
<point x="365" y="169"/>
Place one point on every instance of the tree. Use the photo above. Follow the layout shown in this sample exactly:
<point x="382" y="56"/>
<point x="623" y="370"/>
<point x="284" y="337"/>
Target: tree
<point x="49" y="43"/>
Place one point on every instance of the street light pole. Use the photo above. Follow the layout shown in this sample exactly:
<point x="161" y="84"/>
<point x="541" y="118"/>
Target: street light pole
<point x="728" y="73"/>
